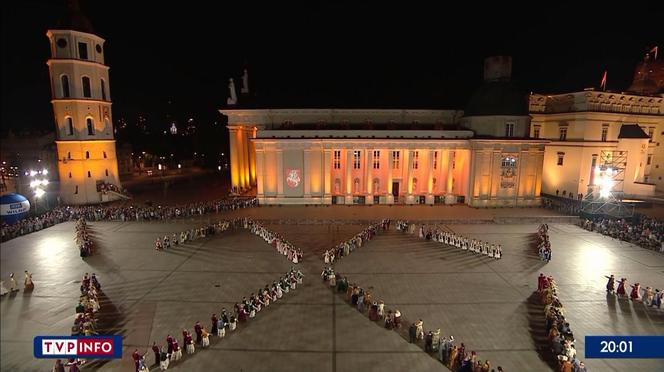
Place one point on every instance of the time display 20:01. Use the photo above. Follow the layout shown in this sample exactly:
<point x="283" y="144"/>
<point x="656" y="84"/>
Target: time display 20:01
<point x="616" y="347"/>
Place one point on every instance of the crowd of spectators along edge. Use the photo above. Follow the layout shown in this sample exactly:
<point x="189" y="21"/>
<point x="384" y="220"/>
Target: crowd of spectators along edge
<point x="456" y="358"/>
<point x="130" y="212"/>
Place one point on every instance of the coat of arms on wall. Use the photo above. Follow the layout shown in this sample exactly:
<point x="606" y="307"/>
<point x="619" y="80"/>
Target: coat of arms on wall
<point x="507" y="172"/>
<point x="293" y="177"/>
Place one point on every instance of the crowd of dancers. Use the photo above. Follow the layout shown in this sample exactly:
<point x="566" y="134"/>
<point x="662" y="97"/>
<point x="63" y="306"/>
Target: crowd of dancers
<point x="175" y="239"/>
<point x="277" y="241"/>
<point x="83" y="238"/>
<point x="127" y="212"/>
<point x="557" y="329"/>
<point x="650" y="297"/>
<point x="85" y="323"/>
<point x="456" y="358"/>
<point x="543" y="242"/>
<point x="645" y="232"/>
<point x="242" y="312"/>
<point x="345" y="248"/>
<point x="435" y="234"/>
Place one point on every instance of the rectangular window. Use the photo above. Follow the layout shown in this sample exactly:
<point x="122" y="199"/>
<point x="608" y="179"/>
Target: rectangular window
<point x="376" y="159"/>
<point x="87" y="92"/>
<point x="416" y="159"/>
<point x="337" y="159"/>
<point x="356" y="159"/>
<point x="649" y="160"/>
<point x="536" y="132"/>
<point x="83" y="50"/>
<point x="563" y="133"/>
<point x="395" y="159"/>
<point x="605" y="132"/>
<point x="561" y="155"/>
<point x="509" y="129"/>
<point x="435" y="160"/>
<point x="103" y="89"/>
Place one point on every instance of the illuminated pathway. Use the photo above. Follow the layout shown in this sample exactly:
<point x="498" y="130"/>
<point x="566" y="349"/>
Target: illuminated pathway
<point x="480" y="301"/>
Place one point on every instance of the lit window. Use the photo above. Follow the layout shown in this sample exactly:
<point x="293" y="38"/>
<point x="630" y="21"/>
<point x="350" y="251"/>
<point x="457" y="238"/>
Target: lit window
<point x="91" y="126"/>
<point x="87" y="92"/>
<point x="605" y="132"/>
<point x="416" y="159"/>
<point x="508" y="161"/>
<point x="561" y="155"/>
<point x="376" y="159"/>
<point x="337" y="159"/>
<point x="64" y="79"/>
<point x="509" y="129"/>
<point x="395" y="159"/>
<point x="536" y="132"/>
<point x="563" y="133"/>
<point x="356" y="159"/>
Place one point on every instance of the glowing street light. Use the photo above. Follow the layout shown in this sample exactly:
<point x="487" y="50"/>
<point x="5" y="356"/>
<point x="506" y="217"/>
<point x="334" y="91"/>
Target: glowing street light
<point x="39" y="193"/>
<point x="44" y="171"/>
<point x="33" y="173"/>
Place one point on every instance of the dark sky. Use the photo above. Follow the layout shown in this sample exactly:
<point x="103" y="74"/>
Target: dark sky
<point x="340" y="55"/>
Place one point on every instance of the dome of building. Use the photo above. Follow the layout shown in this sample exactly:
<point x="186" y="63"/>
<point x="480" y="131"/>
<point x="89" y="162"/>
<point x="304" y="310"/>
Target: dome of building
<point x="497" y="98"/>
<point x="13" y="207"/>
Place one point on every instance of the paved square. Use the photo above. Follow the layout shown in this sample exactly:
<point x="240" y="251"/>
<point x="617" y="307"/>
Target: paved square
<point x="482" y="302"/>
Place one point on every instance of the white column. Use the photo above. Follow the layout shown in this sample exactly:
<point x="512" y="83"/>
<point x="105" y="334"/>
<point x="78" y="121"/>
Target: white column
<point x="327" y="176"/>
<point x="306" y="173"/>
<point x="260" y="174"/>
<point x="408" y="159"/>
<point x="280" y="173"/>
<point x="369" y="180"/>
<point x="429" y="198"/>
<point x="241" y="156"/>
<point x="349" y="176"/>
<point x="247" y="158"/>
<point x="449" y="197"/>
<point x="252" y="157"/>
<point x="388" y="187"/>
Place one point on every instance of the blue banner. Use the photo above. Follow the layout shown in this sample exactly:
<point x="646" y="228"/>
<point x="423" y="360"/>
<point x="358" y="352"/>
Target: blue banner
<point x="624" y="346"/>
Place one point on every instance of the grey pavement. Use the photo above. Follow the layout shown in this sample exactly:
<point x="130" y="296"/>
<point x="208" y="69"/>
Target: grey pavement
<point x="482" y="302"/>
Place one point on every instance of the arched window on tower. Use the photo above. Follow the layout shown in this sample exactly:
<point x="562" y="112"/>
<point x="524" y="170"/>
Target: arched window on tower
<point x="87" y="154"/>
<point x="106" y="172"/>
<point x="70" y="126"/>
<point x="91" y="126"/>
<point x="105" y="155"/>
<point x="103" y="89"/>
<point x="87" y="92"/>
<point x="89" y="174"/>
<point x="64" y="80"/>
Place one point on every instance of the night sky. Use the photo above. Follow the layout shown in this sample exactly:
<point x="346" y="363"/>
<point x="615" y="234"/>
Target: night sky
<point x="341" y="55"/>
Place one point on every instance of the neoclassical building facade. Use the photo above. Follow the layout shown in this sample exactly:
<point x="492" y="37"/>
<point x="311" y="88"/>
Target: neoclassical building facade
<point x="379" y="157"/>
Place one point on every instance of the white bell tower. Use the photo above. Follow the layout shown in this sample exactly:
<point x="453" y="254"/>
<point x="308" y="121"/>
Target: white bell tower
<point x="81" y="100"/>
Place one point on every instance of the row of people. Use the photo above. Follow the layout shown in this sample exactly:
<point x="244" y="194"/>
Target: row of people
<point x="442" y="236"/>
<point x="455" y="358"/>
<point x="650" y="297"/>
<point x="193" y="234"/>
<point x="345" y="248"/>
<point x="645" y="232"/>
<point x="557" y="328"/>
<point x="85" y="322"/>
<point x="543" y="242"/>
<point x="126" y="212"/>
<point x="277" y="241"/>
<point x="83" y="238"/>
<point x="242" y="312"/>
